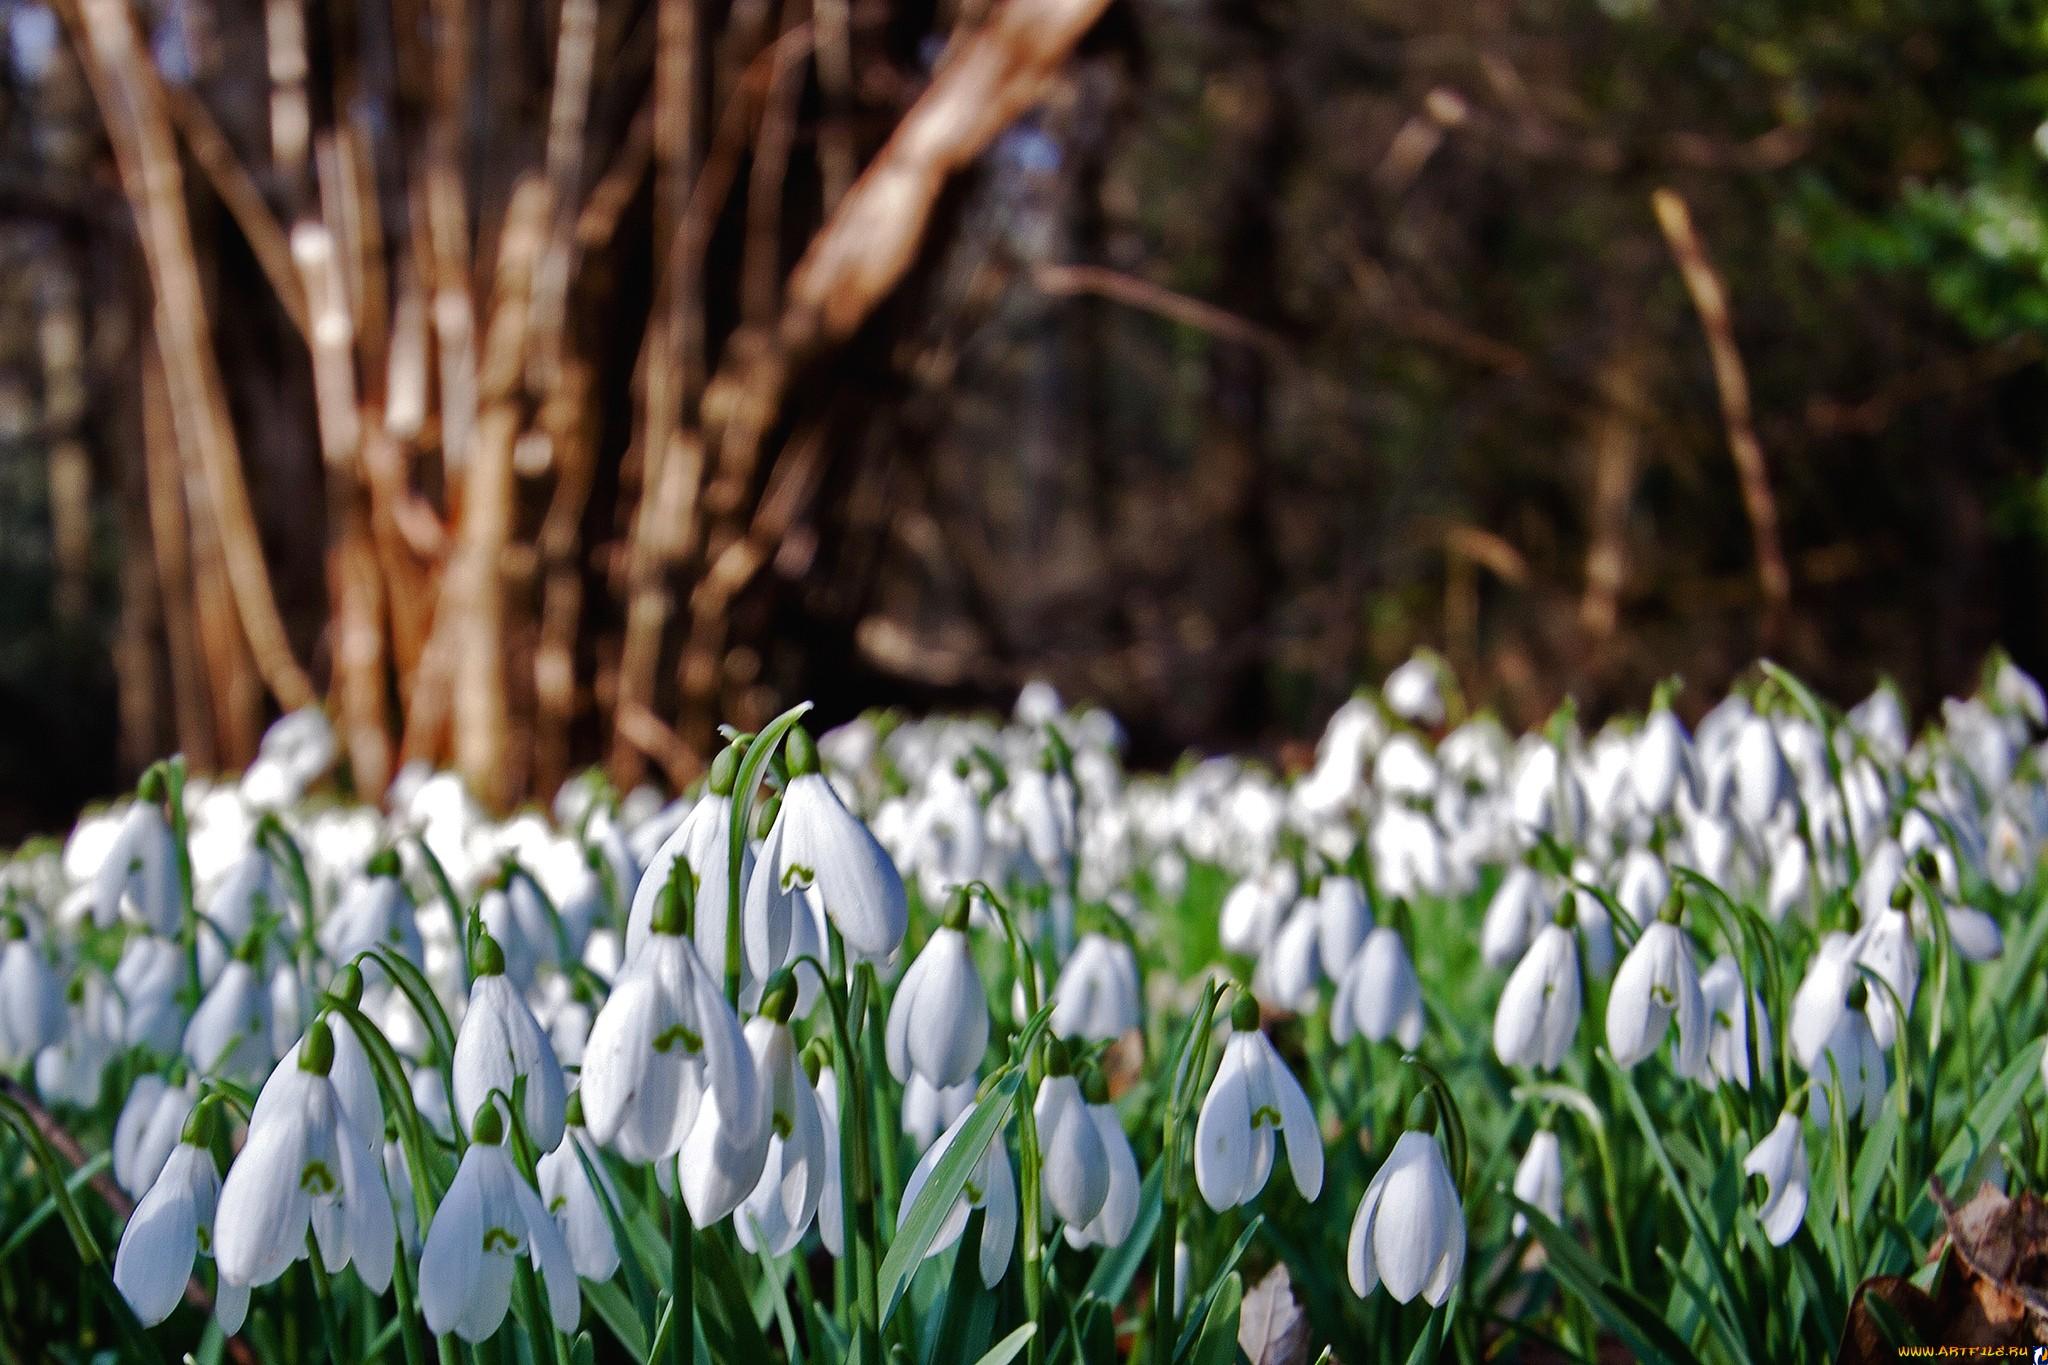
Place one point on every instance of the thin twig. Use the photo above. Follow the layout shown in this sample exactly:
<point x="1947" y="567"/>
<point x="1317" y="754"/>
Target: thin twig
<point x="1710" y="300"/>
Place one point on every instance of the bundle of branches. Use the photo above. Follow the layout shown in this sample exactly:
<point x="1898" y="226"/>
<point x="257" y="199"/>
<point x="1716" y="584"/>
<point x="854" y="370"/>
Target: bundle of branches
<point x="580" y="299"/>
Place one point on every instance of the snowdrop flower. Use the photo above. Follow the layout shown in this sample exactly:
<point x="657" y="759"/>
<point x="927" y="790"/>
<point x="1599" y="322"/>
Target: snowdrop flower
<point x="1378" y="995"/>
<point x="991" y="1187"/>
<point x="1729" y="1007"/>
<point x="1414" y="691"/>
<point x="1656" y="983"/>
<point x="1253" y="1095"/>
<point x="31" y="997"/>
<point x="1291" y="967"/>
<point x="1538" y="1014"/>
<point x="303" y="1167"/>
<point x="1513" y="917"/>
<point x="938" y="1022"/>
<point x="1885" y="946"/>
<point x="489" y="1217"/>
<point x="1119" y="1214"/>
<point x="500" y="1044"/>
<point x="1818" y="1004"/>
<point x="1097" y="996"/>
<point x="148" y="979"/>
<point x="1853" y="1059"/>
<point x="70" y="1069"/>
<point x="1781" y="1160"/>
<point x="816" y="841"/>
<point x="374" y="912"/>
<point x="1075" y="1166"/>
<point x="663" y="1042"/>
<point x="1343" y="919"/>
<point x="229" y="1035"/>
<point x="774" y="1216"/>
<point x="169" y="1229"/>
<point x="927" y="1110"/>
<point x="1762" y="778"/>
<point x="702" y="843"/>
<point x="1409" y="1233"/>
<point x="1662" y="760"/>
<point x="147" y="1131"/>
<point x="1642" y="886"/>
<point x="574" y="1203"/>
<point x="1253" y="910"/>
<point x="1547" y="796"/>
<point x="1976" y="936"/>
<point x="141" y="866"/>
<point x="1539" y="1180"/>
<point x="352" y="1074"/>
<point x="1042" y="801"/>
<point x="831" y="1226"/>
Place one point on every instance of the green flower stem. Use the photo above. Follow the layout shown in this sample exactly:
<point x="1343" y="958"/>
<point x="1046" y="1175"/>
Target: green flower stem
<point x="856" y="1176"/>
<point x="682" y="1239"/>
<point x="1185" y="1080"/>
<point x="173" y="771"/>
<point x="1030" y="1163"/>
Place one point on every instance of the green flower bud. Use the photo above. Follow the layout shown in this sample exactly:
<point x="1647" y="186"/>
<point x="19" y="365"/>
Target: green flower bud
<point x="316" y="1054"/>
<point x="800" y="752"/>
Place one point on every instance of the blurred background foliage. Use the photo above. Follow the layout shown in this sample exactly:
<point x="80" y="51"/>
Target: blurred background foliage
<point x="1253" y="344"/>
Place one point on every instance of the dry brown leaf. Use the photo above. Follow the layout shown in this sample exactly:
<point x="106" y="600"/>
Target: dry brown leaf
<point x="1271" y="1328"/>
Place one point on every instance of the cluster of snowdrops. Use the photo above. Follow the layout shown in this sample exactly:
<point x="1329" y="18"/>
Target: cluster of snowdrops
<point x="952" y="1039"/>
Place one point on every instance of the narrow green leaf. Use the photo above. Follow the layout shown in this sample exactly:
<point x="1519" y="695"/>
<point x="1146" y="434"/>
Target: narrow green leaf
<point x="1010" y="1347"/>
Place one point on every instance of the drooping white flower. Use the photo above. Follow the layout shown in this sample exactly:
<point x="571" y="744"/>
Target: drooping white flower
<point x="1075" y="1167"/>
<point x="70" y="1069"/>
<point x="500" y="1044"/>
<point x="490" y="1217"/>
<point x="1729" y="1007"/>
<point x="991" y="1187"/>
<point x="1762" y="778"/>
<point x="1662" y="762"/>
<point x="575" y="1203"/>
<point x="1343" y="919"/>
<point x="1538" y="1014"/>
<point x="1780" y="1158"/>
<point x="1253" y="1096"/>
<point x="1254" y="909"/>
<point x="165" y="1235"/>
<point x="31" y="996"/>
<point x="1656" y="984"/>
<point x="147" y="1130"/>
<point x="831" y="1221"/>
<point x="1119" y="1214"/>
<point x="702" y="842"/>
<point x="148" y="979"/>
<point x="1414" y="691"/>
<point x="775" y="1214"/>
<point x="1409" y="1233"/>
<point x="304" y="1167"/>
<point x="1539" y="1180"/>
<point x="927" y="1110"/>
<point x="1290" y="967"/>
<point x="817" y="842"/>
<point x="140" y="871"/>
<point x="1515" y="915"/>
<point x="229" y="1034"/>
<point x="1378" y="995"/>
<point x="663" y="1041"/>
<point x="938" y="1022"/>
<point x="375" y="911"/>
<point x="1097" y="996"/>
<point x="1885" y="946"/>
